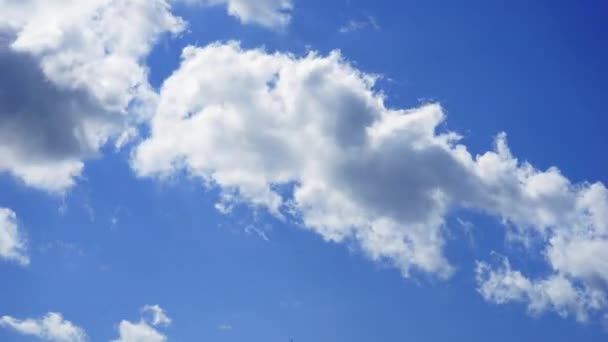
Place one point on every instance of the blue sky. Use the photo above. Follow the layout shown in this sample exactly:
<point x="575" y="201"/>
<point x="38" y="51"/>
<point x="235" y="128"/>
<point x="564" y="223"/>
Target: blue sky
<point x="188" y="171"/>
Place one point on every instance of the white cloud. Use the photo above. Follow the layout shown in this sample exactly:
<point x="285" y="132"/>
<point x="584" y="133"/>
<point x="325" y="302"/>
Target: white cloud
<point x="556" y="292"/>
<point x="73" y="80"/>
<point x="138" y="332"/>
<point x="569" y="221"/>
<point x="144" y="331"/>
<point x="269" y="13"/>
<point x="247" y="121"/>
<point x="12" y="244"/>
<point x="158" y="315"/>
<point x="52" y="327"/>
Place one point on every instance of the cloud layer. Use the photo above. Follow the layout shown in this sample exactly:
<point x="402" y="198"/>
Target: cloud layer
<point x="255" y="124"/>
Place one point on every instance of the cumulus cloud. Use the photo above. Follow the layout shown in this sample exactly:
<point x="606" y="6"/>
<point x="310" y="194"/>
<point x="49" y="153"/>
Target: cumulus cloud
<point x="52" y="327"/>
<point x="307" y="138"/>
<point x="12" y="244"/>
<point x="556" y="292"/>
<point x="138" y="332"/>
<point x="144" y="331"/>
<point x="311" y="140"/>
<point x="248" y="120"/>
<point x="268" y="13"/>
<point x="569" y="221"/>
<point x="73" y="80"/>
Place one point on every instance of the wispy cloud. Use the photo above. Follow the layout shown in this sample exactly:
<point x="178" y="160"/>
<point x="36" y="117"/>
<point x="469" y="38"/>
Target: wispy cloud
<point x="224" y="327"/>
<point x="360" y="24"/>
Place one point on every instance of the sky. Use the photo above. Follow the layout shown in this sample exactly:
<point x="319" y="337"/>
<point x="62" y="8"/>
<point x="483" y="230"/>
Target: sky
<point x="303" y="170"/>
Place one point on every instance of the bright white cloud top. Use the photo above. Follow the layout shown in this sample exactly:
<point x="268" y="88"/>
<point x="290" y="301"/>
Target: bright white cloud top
<point x="12" y="243"/>
<point x="52" y="327"/>
<point x="247" y="121"/>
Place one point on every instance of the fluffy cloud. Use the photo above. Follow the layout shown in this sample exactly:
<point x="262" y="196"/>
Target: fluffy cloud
<point x="144" y="331"/>
<point x="556" y="292"/>
<point x="12" y="245"/>
<point x="269" y="13"/>
<point x="52" y="327"/>
<point x="73" y="80"/>
<point x="74" y="77"/>
<point x="570" y="222"/>
<point x="138" y="332"/>
<point x="248" y="120"/>
<point x="308" y="138"/>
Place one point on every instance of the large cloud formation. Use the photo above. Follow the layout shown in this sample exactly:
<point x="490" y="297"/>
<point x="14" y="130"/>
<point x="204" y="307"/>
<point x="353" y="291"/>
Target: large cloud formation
<point x="307" y="138"/>
<point x="255" y="124"/>
<point x="73" y="80"/>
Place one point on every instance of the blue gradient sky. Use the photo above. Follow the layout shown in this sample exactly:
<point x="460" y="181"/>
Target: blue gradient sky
<point x="536" y="70"/>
